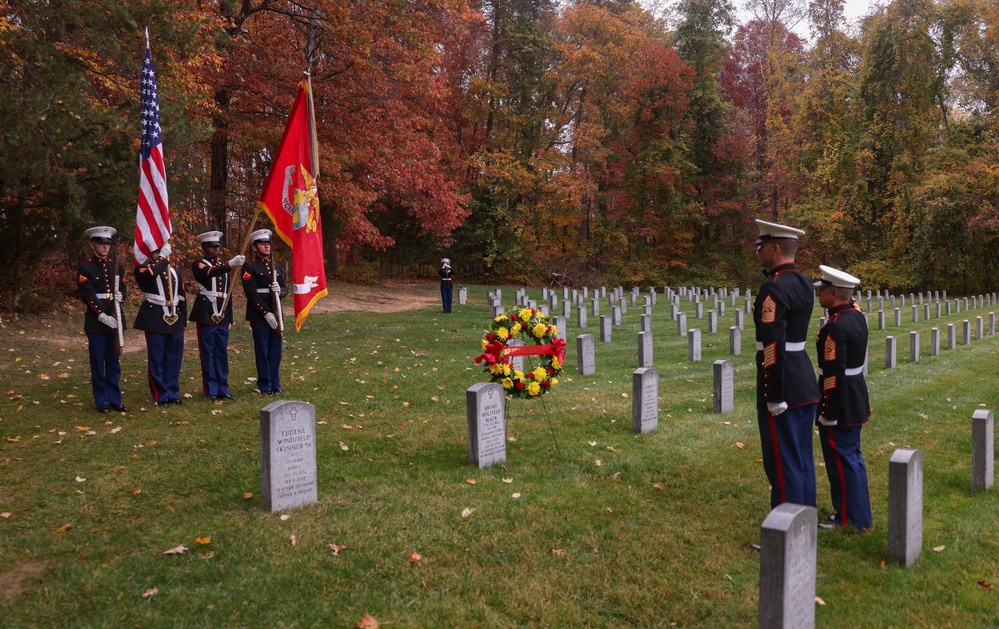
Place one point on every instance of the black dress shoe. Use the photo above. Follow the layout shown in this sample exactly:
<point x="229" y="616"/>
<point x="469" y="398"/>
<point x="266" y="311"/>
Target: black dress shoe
<point x="103" y="408"/>
<point x="178" y="402"/>
<point x="225" y="396"/>
<point x="121" y="408"/>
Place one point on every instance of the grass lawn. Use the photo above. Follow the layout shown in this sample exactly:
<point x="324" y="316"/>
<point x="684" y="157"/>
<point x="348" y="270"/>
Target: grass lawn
<point x="608" y="529"/>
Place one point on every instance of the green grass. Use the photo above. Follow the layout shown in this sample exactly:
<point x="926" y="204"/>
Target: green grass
<point x="657" y="534"/>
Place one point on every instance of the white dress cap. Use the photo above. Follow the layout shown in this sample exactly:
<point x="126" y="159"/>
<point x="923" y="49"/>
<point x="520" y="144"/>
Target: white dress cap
<point x="209" y="238"/>
<point x="101" y="234"/>
<point x="775" y="230"/>
<point x="261" y="235"/>
<point x="837" y="278"/>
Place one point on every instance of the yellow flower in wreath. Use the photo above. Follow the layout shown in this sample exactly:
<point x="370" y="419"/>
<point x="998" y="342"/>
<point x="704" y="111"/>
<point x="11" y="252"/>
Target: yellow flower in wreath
<point x="503" y="333"/>
<point x="534" y="389"/>
<point x="525" y="315"/>
<point x="500" y="319"/>
<point x="518" y="374"/>
<point x="485" y="344"/>
<point x="540" y="374"/>
<point x="539" y="330"/>
<point x="515" y="330"/>
<point x="554" y="381"/>
<point x="556" y="365"/>
<point x="507" y="369"/>
<point x="496" y="369"/>
<point x="507" y="383"/>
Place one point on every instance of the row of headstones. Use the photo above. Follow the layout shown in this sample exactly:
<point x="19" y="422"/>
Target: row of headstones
<point x="940" y="312"/>
<point x="788" y="535"/>
<point x="891" y="343"/>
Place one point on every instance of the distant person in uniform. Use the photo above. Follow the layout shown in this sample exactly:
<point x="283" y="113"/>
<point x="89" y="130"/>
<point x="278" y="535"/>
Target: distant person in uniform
<point x="104" y="318"/>
<point x="212" y="311"/>
<point x="163" y="317"/>
<point x="844" y="405"/>
<point x="447" y="284"/>
<point x="263" y="283"/>
<point x="786" y="391"/>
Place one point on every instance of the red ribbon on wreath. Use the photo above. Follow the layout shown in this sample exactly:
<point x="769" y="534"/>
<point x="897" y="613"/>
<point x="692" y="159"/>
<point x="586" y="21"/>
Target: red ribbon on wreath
<point x="496" y="351"/>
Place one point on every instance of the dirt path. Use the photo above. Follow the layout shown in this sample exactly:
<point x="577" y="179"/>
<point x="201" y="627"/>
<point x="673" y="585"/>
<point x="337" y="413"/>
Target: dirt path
<point x="344" y="297"/>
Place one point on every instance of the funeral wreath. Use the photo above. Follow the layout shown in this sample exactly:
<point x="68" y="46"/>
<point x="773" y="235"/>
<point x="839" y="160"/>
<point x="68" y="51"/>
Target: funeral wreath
<point x="540" y="340"/>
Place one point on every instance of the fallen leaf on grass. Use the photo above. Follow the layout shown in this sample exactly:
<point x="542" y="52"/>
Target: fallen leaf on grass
<point x="80" y="479"/>
<point x="136" y="492"/>
<point x="592" y="443"/>
<point x="179" y="550"/>
<point x="658" y="486"/>
<point x="247" y="495"/>
<point x="507" y="480"/>
<point x="293" y="539"/>
<point x="515" y="495"/>
<point x="367" y="622"/>
<point x="83" y="428"/>
<point x="343" y="446"/>
<point x="740" y="444"/>
<point x="467" y="511"/>
<point x="65" y="527"/>
<point x="152" y="592"/>
<point x="115" y="429"/>
<point x="336" y="549"/>
<point x="598" y="462"/>
<point x="471" y="481"/>
<point x="203" y="540"/>
<point x="6" y="514"/>
<point x="984" y="586"/>
<point x="611" y="449"/>
<point x="939" y="549"/>
<point x="511" y="439"/>
<point x="414" y="556"/>
<point x="284" y="516"/>
<point x="819" y="601"/>
<point x="558" y="552"/>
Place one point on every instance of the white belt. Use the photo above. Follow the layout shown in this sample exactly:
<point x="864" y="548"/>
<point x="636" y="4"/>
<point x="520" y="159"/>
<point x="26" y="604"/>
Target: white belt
<point x="852" y="371"/>
<point x="263" y="290"/>
<point x="153" y="298"/>
<point x="104" y="295"/>
<point x="788" y="347"/>
<point x="209" y="293"/>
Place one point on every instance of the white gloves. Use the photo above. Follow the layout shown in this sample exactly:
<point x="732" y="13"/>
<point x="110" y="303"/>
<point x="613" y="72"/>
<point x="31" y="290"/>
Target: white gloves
<point x="271" y="320"/>
<point x="118" y="296"/>
<point x="826" y="422"/>
<point x="776" y="408"/>
<point x="166" y="250"/>
<point x="237" y="261"/>
<point x="108" y="320"/>
<point x="275" y="287"/>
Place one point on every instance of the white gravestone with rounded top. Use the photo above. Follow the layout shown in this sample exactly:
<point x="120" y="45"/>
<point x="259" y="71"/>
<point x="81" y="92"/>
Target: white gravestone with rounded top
<point x="486" y="426"/>
<point x="287" y="455"/>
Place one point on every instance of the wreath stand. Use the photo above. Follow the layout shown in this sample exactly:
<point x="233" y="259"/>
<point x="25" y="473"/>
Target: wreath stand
<point x="544" y="406"/>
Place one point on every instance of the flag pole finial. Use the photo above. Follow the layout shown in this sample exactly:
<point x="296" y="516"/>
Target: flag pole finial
<point x="147" y="37"/>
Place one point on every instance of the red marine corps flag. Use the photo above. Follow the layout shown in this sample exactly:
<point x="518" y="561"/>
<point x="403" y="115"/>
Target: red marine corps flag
<point x="291" y="199"/>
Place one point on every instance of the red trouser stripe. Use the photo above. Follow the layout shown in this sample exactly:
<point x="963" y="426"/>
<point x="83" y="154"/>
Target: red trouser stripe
<point x="842" y="477"/>
<point x="777" y="460"/>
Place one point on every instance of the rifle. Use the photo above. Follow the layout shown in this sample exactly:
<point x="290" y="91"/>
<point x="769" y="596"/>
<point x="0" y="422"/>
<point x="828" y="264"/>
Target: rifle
<point x="120" y="346"/>
<point x="277" y="298"/>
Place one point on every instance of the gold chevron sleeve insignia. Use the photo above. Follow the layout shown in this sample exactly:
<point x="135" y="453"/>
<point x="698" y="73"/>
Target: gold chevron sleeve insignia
<point x="829" y="383"/>
<point x="769" y="314"/>
<point x="770" y="355"/>
<point x="829" y="350"/>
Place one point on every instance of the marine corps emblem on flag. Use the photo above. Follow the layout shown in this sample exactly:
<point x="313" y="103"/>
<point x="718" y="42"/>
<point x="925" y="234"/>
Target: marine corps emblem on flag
<point x="829" y="350"/>
<point x="769" y="314"/>
<point x="301" y="199"/>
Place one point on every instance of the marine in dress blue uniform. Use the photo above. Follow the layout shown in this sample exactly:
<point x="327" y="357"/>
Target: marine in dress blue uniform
<point x="212" y="311"/>
<point x="844" y="405"/>
<point x="96" y="279"/>
<point x="260" y="287"/>
<point x="786" y="390"/>
<point x="447" y="283"/>
<point x="163" y="317"/>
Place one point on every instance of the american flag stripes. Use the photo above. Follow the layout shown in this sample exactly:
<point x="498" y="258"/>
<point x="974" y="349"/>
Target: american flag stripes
<point x="152" y="217"/>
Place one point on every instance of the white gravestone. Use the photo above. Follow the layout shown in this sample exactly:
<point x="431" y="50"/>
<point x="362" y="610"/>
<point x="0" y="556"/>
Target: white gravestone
<point x="694" y="345"/>
<point x="982" y="450"/>
<point x="646" y="325"/>
<point x="724" y="386"/>
<point x="735" y="341"/>
<point x="605" y="329"/>
<point x="788" y="551"/>
<point x="581" y="320"/>
<point x="486" y="426"/>
<point x="516" y="361"/>
<point x="890" y="359"/>
<point x="951" y="336"/>
<point x="644" y="400"/>
<point x="681" y="324"/>
<point x="645" y="349"/>
<point x="934" y="341"/>
<point x="287" y="455"/>
<point x="905" y="506"/>
<point x="586" y="363"/>
<point x="462" y="296"/>
<point x="914" y="346"/>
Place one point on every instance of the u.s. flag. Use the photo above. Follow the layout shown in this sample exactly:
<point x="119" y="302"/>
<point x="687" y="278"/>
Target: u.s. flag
<point x="152" y="216"/>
